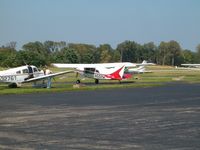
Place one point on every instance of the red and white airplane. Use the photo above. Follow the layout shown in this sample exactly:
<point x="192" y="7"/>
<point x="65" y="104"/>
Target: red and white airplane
<point x="24" y="74"/>
<point x="108" y="71"/>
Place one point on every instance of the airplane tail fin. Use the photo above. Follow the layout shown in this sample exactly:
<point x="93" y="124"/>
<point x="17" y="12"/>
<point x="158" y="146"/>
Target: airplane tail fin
<point x="144" y="62"/>
<point x="141" y="69"/>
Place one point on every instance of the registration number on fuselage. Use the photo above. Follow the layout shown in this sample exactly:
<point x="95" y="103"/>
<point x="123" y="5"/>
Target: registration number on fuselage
<point x="95" y="75"/>
<point x="98" y="76"/>
<point x="8" y="78"/>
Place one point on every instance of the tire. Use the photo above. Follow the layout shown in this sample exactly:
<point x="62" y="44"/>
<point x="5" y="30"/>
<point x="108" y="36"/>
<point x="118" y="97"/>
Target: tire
<point x="78" y="81"/>
<point x="96" y="81"/>
<point x="12" y="85"/>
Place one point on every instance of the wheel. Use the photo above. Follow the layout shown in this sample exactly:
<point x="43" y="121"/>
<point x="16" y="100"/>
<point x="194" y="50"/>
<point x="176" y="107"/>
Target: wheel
<point x="78" y="81"/>
<point x="96" y="81"/>
<point x="12" y="85"/>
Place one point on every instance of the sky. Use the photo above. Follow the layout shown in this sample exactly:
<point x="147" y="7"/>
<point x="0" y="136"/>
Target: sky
<point x="100" y="21"/>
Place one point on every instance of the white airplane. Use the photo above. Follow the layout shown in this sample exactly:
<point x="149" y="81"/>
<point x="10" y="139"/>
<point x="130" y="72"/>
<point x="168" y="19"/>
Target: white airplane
<point x="111" y="71"/>
<point x="24" y="74"/>
<point x="191" y="65"/>
<point x="195" y="67"/>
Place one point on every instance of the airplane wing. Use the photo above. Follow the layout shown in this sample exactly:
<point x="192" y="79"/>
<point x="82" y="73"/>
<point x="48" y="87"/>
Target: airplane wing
<point x="107" y="65"/>
<point x="74" y="65"/>
<point x="48" y="76"/>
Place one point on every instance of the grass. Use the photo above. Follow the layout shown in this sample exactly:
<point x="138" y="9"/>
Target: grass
<point x="26" y="90"/>
<point x="173" y="74"/>
<point x="159" y="76"/>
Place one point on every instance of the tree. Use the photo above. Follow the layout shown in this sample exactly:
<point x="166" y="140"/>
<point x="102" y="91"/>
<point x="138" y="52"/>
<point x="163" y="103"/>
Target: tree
<point x="7" y="55"/>
<point x="10" y="60"/>
<point x="36" y="53"/>
<point x="105" y="53"/>
<point x="86" y="53"/>
<point x="169" y="53"/>
<point x="128" y="51"/>
<point x="174" y="51"/>
<point x="30" y="58"/>
<point x="116" y="56"/>
<point x="36" y="47"/>
<point x="66" y="55"/>
<point x="163" y="52"/>
<point x="12" y="45"/>
<point x="198" y="53"/>
<point x="149" y="52"/>
<point x="188" y="56"/>
<point x="52" y="46"/>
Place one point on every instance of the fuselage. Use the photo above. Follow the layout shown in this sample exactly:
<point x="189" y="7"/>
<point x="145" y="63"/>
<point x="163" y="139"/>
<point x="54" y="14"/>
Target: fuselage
<point x="19" y="74"/>
<point x="100" y="72"/>
<point x="99" y="66"/>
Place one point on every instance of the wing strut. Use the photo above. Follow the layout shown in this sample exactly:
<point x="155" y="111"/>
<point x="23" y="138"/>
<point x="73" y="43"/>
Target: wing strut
<point x="49" y="82"/>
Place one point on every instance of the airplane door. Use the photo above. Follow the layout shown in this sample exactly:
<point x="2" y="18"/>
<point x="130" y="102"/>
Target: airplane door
<point x="30" y="72"/>
<point x="89" y="72"/>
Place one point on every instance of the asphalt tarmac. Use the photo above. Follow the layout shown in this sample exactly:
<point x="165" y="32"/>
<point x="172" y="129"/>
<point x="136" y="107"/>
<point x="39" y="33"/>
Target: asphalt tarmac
<point x="166" y="117"/>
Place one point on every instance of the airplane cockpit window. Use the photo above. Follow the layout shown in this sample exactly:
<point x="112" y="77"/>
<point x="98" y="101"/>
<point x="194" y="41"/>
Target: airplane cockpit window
<point x="89" y="70"/>
<point x="18" y="72"/>
<point x="25" y="70"/>
<point x="35" y="70"/>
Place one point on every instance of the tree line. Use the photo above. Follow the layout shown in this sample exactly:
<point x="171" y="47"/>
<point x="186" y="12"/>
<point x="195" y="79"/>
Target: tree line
<point x="44" y="53"/>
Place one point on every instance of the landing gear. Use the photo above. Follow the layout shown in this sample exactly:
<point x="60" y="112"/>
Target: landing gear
<point x="12" y="85"/>
<point x="78" y="81"/>
<point x="96" y="81"/>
